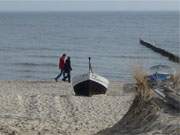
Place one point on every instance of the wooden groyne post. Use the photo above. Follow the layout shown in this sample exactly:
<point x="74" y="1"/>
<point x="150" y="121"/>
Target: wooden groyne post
<point x="171" y="56"/>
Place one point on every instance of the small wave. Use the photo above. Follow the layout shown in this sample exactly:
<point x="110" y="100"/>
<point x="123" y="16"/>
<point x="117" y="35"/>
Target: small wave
<point x="126" y="56"/>
<point x="35" y="64"/>
<point x="34" y="71"/>
<point x="25" y="71"/>
<point x="19" y="49"/>
<point x="42" y="56"/>
<point x="134" y="57"/>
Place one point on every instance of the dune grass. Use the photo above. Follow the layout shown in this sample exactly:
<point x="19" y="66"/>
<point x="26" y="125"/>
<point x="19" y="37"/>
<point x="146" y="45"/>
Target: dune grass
<point x="142" y="88"/>
<point x="176" y="80"/>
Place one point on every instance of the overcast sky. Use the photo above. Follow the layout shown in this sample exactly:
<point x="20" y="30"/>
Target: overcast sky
<point x="89" y="5"/>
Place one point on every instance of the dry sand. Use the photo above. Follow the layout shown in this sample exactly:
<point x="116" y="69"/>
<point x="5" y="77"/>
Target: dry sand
<point x="50" y="108"/>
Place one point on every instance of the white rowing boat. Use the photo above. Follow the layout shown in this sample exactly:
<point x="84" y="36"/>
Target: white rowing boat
<point x="90" y="83"/>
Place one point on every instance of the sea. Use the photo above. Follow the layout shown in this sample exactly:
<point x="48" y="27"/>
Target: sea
<point x="31" y="42"/>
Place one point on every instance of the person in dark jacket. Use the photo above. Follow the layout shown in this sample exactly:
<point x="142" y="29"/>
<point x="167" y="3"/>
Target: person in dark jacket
<point x="67" y="70"/>
<point x="61" y="66"/>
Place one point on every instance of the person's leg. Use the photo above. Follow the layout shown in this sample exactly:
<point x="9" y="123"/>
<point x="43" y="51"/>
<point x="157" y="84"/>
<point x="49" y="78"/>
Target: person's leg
<point x="64" y="76"/>
<point x="69" y="77"/>
<point x="59" y="75"/>
<point x="64" y="73"/>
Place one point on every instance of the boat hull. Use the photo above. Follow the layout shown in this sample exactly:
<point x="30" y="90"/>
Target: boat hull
<point x="89" y="88"/>
<point x="90" y="84"/>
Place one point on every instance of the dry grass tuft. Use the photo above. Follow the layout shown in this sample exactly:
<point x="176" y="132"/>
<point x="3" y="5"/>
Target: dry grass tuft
<point x="143" y="89"/>
<point x="176" y="80"/>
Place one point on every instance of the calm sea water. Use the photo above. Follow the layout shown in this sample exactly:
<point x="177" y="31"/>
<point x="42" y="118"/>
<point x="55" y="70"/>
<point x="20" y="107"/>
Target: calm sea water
<point x="30" y="43"/>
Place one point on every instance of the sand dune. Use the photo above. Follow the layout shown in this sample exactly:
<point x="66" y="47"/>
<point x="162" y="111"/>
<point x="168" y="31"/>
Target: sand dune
<point x="147" y="118"/>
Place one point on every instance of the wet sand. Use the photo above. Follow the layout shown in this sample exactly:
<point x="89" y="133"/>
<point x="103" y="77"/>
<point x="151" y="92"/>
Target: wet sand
<point x="51" y="108"/>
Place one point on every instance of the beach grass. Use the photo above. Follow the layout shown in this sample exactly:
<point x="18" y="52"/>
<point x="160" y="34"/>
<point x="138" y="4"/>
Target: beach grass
<point x="176" y="80"/>
<point x="142" y="88"/>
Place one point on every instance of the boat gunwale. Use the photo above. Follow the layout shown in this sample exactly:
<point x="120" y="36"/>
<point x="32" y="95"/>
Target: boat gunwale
<point x="93" y="77"/>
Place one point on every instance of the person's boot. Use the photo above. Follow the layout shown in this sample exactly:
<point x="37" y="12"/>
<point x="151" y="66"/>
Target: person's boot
<point x="55" y="79"/>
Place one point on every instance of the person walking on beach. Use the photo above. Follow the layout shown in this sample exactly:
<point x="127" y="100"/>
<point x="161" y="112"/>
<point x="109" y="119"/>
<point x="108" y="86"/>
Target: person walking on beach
<point x="67" y="70"/>
<point x="61" y="66"/>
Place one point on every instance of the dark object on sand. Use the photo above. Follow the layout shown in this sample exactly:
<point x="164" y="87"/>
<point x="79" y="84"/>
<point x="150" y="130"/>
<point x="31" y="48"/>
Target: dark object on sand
<point x="171" y="56"/>
<point x="89" y="84"/>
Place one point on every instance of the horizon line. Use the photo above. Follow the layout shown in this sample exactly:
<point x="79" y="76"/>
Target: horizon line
<point x="89" y="10"/>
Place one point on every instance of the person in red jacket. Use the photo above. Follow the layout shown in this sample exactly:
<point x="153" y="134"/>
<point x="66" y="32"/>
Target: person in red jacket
<point x="61" y="66"/>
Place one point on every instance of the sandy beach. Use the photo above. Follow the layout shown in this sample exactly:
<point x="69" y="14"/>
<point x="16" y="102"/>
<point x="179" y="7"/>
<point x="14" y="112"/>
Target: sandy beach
<point x="51" y="108"/>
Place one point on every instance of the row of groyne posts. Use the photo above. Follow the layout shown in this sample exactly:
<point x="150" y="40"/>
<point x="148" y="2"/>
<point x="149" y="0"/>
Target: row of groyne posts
<point x="172" y="57"/>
